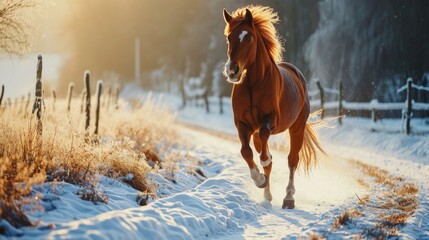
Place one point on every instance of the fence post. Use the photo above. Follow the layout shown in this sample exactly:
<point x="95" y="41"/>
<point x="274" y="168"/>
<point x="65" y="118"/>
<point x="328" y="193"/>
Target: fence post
<point x="409" y="105"/>
<point x="322" y="96"/>
<point x="54" y="96"/>
<point x="206" y="100"/>
<point x="97" y="108"/>
<point x="70" y="94"/>
<point x="116" y="97"/>
<point x="182" y="92"/>
<point x="373" y="115"/>
<point x="82" y="102"/>
<point x="340" y="103"/>
<point x="2" y="93"/>
<point x="37" y="107"/>
<point x="88" y="100"/>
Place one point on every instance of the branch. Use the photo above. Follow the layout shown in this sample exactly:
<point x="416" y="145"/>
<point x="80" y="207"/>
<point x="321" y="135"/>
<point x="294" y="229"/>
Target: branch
<point x="14" y="36"/>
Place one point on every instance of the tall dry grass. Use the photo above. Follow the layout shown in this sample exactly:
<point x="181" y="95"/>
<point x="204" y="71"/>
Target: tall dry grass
<point x="129" y="139"/>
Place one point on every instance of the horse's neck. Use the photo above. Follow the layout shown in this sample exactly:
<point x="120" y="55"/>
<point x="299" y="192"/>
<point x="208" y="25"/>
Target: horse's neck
<point x="257" y="72"/>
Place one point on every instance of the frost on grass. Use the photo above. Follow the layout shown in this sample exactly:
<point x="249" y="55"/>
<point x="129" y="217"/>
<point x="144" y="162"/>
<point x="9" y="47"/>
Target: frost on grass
<point x="391" y="202"/>
<point x="129" y="140"/>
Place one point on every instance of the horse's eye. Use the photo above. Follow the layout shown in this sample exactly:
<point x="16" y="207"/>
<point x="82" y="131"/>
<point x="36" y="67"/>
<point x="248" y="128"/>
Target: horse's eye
<point x="250" y="39"/>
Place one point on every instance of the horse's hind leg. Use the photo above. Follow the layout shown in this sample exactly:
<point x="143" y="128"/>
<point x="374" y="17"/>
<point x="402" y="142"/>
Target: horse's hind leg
<point x="267" y="169"/>
<point x="244" y="134"/>
<point x="296" y="140"/>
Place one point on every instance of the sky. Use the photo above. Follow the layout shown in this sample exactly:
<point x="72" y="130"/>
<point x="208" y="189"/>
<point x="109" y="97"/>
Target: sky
<point x="18" y="73"/>
<point x="48" y="20"/>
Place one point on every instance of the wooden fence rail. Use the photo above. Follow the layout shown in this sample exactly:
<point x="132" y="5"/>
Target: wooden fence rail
<point x="407" y="107"/>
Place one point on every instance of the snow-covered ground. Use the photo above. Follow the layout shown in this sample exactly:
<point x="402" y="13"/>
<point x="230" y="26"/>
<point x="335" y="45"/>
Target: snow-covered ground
<point x="227" y="205"/>
<point x="382" y="144"/>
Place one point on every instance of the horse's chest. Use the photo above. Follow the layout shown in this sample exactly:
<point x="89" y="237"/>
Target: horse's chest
<point x="251" y="112"/>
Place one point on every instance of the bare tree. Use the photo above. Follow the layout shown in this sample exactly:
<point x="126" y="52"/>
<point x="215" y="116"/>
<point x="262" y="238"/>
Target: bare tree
<point x="14" y="35"/>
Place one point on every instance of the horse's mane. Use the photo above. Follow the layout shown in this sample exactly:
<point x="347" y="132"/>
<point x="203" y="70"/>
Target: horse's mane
<point x="264" y="19"/>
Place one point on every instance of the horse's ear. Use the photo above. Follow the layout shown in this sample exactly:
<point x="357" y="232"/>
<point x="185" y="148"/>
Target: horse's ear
<point x="226" y="16"/>
<point x="248" y="17"/>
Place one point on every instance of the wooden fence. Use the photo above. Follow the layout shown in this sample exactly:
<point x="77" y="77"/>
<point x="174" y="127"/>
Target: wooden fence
<point x="39" y="104"/>
<point x="341" y="105"/>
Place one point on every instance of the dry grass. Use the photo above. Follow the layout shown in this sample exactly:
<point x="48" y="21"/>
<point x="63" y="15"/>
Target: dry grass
<point x="342" y="220"/>
<point x="381" y="176"/>
<point x="392" y="201"/>
<point x="395" y="202"/>
<point x="346" y="217"/>
<point x="128" y="140"/>
<point x="315" y="236"/>
<point x="362" y="182"/>
<point x="394" y="219"/>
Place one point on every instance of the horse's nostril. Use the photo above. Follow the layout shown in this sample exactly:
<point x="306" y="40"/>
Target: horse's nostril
<point x="236" y="70"/>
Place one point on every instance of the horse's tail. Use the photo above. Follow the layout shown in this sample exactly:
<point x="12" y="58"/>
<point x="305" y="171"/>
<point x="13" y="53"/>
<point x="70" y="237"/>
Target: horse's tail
<point x="311" y="143"/>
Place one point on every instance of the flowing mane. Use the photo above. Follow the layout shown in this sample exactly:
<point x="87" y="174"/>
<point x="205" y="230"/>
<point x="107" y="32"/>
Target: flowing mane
<point x="263" y="19"/>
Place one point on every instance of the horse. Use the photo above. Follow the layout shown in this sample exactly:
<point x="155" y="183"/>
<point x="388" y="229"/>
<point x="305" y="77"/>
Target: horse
<point x="269" y="96"/>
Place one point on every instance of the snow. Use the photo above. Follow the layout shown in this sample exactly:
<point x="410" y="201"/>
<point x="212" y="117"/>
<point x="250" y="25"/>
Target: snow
<point x="384" y="136"/>
<point x="402" y="155"/>
<point x="63" y="205"/>
<point x="227" y="205"/>
<point x="382" y="144"/>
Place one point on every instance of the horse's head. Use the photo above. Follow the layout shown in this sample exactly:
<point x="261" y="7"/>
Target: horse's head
<point x="241" y="40"/>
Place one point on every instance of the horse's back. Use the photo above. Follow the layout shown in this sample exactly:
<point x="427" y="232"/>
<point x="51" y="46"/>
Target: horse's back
<point x="295" y="70"/>
<point x="295" y="97"/>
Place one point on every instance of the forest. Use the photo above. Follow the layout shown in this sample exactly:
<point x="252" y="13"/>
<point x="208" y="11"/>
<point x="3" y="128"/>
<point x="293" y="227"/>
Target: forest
<point x="371" y="46"/>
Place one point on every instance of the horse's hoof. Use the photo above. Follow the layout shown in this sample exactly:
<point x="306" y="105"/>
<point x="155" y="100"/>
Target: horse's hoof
<point x="289" y="204"/>
<point x="264" y="184"/>
<point x="268" y="197"/>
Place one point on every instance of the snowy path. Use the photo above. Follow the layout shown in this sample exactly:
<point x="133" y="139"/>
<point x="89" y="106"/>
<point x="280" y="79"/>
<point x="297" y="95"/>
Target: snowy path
<point x="326" y="188"/>
<point x="316" y="208"/>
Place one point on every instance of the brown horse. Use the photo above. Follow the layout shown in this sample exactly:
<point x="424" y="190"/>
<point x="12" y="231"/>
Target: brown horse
<point x="268" y="97"/>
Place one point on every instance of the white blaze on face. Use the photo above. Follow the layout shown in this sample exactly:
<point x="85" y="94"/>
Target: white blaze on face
<point x="242" y="35"/>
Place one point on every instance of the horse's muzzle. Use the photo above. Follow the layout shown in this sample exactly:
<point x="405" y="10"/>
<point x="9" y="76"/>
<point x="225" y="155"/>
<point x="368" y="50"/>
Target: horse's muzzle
<point x="233" y="73"/>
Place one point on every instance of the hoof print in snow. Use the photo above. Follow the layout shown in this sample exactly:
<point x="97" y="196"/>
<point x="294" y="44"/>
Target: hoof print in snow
<point x="288" y="204"/>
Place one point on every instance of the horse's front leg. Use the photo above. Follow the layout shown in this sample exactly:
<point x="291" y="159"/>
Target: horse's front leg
<point x="244" y="134"/>
<point x="265" y="157"/>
